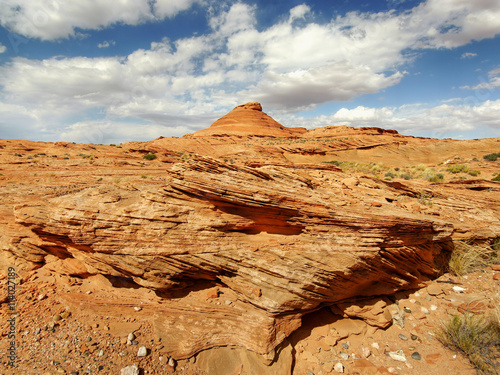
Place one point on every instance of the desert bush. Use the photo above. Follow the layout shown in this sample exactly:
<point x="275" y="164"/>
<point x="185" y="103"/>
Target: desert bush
<point x="477" y="337"/>
<point x="467" y="257"/>
<point x="492" y="157"/>
<point x="457" y="168"/>
<point x="474" y="173"/>
<point x="497" y="178"/>
<point x="150" y="156"/>
<point x="390" y="175"/>
<point x="405" y="176"/>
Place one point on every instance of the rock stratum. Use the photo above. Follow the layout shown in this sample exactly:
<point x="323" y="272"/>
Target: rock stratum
<point x="221" y="253"/>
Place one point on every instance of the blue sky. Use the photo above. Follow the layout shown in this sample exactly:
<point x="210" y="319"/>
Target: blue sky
<point x="108" y="72"/>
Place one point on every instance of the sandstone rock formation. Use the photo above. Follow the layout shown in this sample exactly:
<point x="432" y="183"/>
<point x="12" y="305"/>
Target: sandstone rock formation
<point x="248" y="120"/>
<point x="220" y="253"/>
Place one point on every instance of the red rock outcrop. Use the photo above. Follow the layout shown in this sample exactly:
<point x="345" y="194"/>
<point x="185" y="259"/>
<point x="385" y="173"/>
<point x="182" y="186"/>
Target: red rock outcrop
<point x="278" y="242"/>
<point x="248" y="120"/>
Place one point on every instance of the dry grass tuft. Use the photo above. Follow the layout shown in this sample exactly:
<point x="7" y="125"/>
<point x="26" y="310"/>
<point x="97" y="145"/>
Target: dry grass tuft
<point x="477" y="337"/>
<point x="467" y="257"/>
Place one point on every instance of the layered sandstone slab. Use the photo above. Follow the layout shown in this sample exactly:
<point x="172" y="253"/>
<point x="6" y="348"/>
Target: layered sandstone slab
<point x="276" y="242"/>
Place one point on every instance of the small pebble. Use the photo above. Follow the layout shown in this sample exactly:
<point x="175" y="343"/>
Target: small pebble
<point x="131" y="336"/>
<point x="403" y="337"/>
<point x="142" y="352"/>
<point x="416" y="356"/>
<point x="228" y="302"/>
<point x="56" y="318"/>
<point x="413" y="337"/>
<point x="130" y="370"/>
<point x="375" y="345"/>
<point x="434" y="307"/>
<point x="65" y="315"/>
<point x="41" y="296"/>
<point x="339" y="367"/>
<point x="365" y="352"/>
<point x="345" y="346"/>
<point x="137" y="308"/>
<point x="37" y="331"/>
<point x="101" y="353"/>
<point x="171" y="362"/>
<point x="344" y="356"/>
<point x="398" y="356"/>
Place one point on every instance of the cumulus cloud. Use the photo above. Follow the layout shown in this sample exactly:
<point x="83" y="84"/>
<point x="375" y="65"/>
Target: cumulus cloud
<point x="412" y="119"/>
<point x="169" y="8"/>
<point x="54" y="19"/>
<point x="303" y="89"/>
<point x="293" y="65"/>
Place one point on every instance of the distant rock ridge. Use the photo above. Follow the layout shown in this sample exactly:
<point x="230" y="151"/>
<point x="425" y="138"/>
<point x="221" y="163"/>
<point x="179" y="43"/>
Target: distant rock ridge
<point x="248" y="120"/>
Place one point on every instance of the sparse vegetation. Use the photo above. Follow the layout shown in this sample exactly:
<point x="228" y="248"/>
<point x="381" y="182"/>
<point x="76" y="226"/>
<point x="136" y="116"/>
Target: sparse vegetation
<point x="497" y="178"/>
<point x="144" y="176"/>
<point x="467" y="257"/>
<point x="458" y="168"/>
<point x="474" y="173"/>
<point x="492" y="157"/>
<point x="425" y="198"/>
<point x="476" y="336"/>
<point x="150" y="156"/>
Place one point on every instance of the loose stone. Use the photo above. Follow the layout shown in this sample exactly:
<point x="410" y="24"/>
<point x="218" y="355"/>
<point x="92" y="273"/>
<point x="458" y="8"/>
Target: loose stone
<point x="416" y="356"/>
<point x="130" y="370"/>
<point x="339" y="367"/>
<point x="142" y="352"/>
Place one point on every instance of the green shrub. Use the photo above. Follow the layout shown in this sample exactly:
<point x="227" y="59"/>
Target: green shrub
<point x="458" y="168"/>
<point x="497" y="178"/>
<point x="405" y="176"/>
<point x="474" y="173"/>
<point x="150" y="156"/>
<point x="390" y="174"/>
<point x="492" y="157"/>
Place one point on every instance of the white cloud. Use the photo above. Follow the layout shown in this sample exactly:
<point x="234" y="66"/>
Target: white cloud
<point x="106" y="44"/>
<point x="468" y="55"/>
<point x="491" y="84"/>
<point x="54" y="19"/>
<point x="289" y="66"/>
<point x="169" y="8"/>
<point x="412" y="119"/>
<point x="303" y="89"/>
<point x="299" y="12"/>
<point x="115" y="131"/>
<point x="2" y="48"/>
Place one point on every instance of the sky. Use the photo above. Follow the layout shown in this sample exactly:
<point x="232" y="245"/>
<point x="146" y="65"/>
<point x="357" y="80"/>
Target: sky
<point x="112" y="71"/>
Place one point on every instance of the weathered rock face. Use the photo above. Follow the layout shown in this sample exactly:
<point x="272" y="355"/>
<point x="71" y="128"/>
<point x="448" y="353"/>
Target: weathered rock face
<point x="248" y="120"/>
<point x="273" y="242"/>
